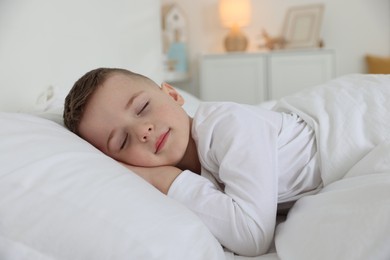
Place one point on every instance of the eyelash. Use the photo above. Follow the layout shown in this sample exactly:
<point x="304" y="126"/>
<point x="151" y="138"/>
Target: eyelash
<point x="124" y="142"/>
<point x="127" y="135"/>
<point x="143" y="108"/>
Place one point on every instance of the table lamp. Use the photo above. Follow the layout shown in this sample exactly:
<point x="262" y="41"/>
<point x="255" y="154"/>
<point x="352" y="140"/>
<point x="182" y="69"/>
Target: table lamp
<point x="235" y="14"/>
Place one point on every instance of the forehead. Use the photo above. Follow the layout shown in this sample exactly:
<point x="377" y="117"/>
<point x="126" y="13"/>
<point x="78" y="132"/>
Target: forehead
<point x="119" y="85"/>
<point x="120" y="80"/>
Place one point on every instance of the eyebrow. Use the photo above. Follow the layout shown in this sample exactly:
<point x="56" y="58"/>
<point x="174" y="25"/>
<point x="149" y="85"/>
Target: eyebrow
<point x="131" y="100"/>
<point x="128" y="104"/>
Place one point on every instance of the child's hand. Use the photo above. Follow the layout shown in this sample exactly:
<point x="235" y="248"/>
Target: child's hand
<point x="160" y="177"/>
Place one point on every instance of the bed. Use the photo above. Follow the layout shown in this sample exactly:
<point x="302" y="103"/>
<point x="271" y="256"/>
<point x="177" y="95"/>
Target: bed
<point x="60" y="198"/>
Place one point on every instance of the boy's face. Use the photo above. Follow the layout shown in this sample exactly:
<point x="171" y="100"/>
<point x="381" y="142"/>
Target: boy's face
<point x="137" y="123"/>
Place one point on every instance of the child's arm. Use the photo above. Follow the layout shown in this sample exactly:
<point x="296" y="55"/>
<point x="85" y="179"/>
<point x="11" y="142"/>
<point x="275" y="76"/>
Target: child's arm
<point x="239" y="149"/>
<point x="160" y="177"/>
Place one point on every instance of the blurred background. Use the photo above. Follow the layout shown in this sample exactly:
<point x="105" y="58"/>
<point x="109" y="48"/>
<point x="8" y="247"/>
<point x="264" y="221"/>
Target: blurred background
<point x="46" y="42"/>
<point x="352" y="28"/>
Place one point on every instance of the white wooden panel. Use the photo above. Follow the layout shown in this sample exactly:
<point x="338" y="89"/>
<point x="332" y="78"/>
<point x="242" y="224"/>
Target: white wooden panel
<point x="236" y="78"/>
<point x="292" y="72"/>
<point x="255" y="77"/>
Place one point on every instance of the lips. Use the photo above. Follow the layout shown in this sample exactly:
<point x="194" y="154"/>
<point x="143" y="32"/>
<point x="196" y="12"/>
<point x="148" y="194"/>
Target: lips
<point x="162" y="140"/>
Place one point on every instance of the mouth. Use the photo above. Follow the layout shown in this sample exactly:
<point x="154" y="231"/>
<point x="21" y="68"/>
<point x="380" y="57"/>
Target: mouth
<point x="162" y="140"/>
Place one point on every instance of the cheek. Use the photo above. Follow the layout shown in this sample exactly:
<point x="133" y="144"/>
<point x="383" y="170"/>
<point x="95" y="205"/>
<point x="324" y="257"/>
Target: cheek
<point x="136" y="156"/>
<point x="95" y="138"/>
<point x="174" y="113"/>
<point x="162" y="110"/>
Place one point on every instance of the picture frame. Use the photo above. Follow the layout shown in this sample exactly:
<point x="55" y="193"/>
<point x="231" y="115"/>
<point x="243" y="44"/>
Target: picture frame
<point x="302" y="26"/>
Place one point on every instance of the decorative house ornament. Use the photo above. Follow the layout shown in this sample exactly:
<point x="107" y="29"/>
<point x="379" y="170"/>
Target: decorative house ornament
<point x="174" y="33"/>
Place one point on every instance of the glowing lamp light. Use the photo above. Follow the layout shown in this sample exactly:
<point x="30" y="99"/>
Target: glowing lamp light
<point x="235" y="14"/>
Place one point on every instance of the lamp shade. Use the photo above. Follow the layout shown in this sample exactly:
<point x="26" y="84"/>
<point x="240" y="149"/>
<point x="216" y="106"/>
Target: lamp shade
<point x="235" y="12"/>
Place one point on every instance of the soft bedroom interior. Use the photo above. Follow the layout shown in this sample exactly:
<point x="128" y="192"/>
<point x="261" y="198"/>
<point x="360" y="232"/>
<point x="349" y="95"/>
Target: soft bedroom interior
<point x="45" y="44"/>
<point x="60" y="198"/>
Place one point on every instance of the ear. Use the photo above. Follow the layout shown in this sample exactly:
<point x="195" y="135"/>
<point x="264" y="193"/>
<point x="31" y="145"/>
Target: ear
<point x="172" y="92"/>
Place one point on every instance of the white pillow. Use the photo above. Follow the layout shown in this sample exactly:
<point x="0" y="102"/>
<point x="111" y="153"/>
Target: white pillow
<point x="191" y="102"/>
<point x="60" y="198"/>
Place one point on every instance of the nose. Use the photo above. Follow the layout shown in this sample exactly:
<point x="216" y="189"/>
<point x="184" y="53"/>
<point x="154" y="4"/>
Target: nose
<point x="144" y="132"/>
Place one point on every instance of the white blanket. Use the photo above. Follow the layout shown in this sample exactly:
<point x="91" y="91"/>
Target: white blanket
<point x="349" y="218"/>
<point x="351" y="117"/>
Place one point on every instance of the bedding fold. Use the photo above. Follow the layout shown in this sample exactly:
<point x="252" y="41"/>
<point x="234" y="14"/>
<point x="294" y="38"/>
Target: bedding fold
<point x="348" y="219"/>
<point x="350" y="115"/>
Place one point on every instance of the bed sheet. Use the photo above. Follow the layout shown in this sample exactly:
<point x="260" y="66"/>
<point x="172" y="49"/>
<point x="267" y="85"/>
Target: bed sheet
<point x="348" y="219"/>
<point x="350" y="116"/>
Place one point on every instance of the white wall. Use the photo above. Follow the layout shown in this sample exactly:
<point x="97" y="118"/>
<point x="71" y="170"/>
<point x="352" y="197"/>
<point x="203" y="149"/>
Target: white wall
<point x="45" y="42"/>
<point x="352" y="28"/>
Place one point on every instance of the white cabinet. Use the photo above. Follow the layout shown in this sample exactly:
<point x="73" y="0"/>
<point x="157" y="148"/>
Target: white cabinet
<point x="239" y="78"/>
<point x="255" y="77"/>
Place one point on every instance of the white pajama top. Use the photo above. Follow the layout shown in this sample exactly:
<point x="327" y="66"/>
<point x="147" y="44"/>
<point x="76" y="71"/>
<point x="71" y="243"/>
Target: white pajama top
<point x="252" y="159"/>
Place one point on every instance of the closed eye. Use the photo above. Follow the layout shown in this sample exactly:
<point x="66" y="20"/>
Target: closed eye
<point x="143" y="108"/>
<point x="124" y="142"/>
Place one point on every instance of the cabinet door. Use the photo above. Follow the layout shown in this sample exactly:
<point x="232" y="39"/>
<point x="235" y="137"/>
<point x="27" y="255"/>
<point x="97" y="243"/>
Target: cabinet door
<point x="292" y="72"/>
<point x="234" y="78"/>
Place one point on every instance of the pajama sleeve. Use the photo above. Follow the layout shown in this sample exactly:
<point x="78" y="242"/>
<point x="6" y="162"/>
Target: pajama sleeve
<point x="242" y="151"/>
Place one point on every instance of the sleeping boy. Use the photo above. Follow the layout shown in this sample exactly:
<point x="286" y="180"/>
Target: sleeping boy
<point x="231" y="164"/>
